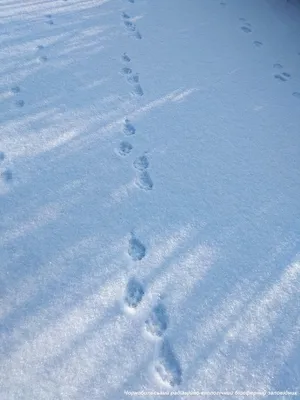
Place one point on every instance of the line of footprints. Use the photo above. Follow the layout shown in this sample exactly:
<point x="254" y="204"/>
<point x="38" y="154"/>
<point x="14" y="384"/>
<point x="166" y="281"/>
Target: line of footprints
<point x="279" y="73"/>
<point x="141" y="163"/>
<point x="6" y="174"/>
<point x="165" y="366"/>
<point x="41" y="57"/>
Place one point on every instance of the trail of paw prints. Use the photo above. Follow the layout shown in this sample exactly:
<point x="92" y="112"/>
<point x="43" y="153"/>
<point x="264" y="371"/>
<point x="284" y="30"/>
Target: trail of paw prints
<point x="245" y="26"/>
<point x="132" y="78"/>
<point x="280" y="75"/>
<point x="166" y="367"/>
<point x="130" y="26"/>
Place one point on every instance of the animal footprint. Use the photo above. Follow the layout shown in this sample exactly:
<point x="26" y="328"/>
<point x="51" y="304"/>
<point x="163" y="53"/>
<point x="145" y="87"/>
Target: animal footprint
<point x="136" y="249"/>
<point x="134" y="78"/>
<point x="157" y="322"/>
<point x="16" y="89"/>
<point x="134" y="293"/>
<point x="40" y="47"/>
<point x="137" y="90"/>
<point x="7" y="175"/>
<point x="141" y="163"/>
<point x="43" y="58"/>
<point x="246" y="29"/>
<point x="128" y="129"/>
<point x="20" y="103"/>
<point x="125" y="15"/>
<point x="166" y="366"/>
<point x="49" y="19"/>
<point x="144" y="181"/>
<point x="124" y="148"/>
<point x="126" y="71"/>
<point x="126" y="58"/>
<point x="130" y="1"/>
<point x="138" y="35"/>
<point x="297" y="95"/>
<point x="283" y="77"/>
<point x="2" y="156"/>
<point x="129" y="25"/>
<point x="257" y="43"/>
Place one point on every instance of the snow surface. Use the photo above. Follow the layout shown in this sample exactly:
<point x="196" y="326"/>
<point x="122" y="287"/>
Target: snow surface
<point x="150" y="218"/>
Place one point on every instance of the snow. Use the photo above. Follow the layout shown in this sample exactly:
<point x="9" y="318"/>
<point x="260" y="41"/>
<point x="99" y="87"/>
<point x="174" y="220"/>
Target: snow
<point x="149" y="198"/>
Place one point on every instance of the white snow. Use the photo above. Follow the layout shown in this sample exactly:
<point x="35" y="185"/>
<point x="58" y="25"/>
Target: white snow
<point x="149" y="198"/>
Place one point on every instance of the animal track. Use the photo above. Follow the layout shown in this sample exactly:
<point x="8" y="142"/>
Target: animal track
<point x="297" y="95"/>
<point x="20" y="103"/>
<point x="257" y="43"/>
<point x="7" y="175"/>
<point x="282" y="76"/>
<point x="128" y="129"/>
<point x="130" y="1"/>
<point x="166" y="366"/>
<point x="136" y="249"/>
<point x="16" y="89"/>
<point x="134" y="293"/>
<point x="40" y="47"/>
<point x="137" y="90"/>
<point x="246" y="29"/>
<point x="124" y="148"/>
<point x="49" y="19"/>
<point x="141" y="163"/>
<point x="125" y="15"/>
<point x="2" y="156"/>
<point x="134" y="78"/>
<point x="129" y="25"/>
<point x="157" y="322"/>
<point x="126" y="58"/>
<point x="138" y="35"/>
<point x="144" y="181"/>
<point x="43" y="58"/>
<point x="126" y="71"/>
